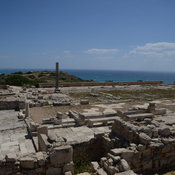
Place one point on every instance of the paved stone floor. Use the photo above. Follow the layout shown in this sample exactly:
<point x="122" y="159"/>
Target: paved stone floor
<point x="13" y="134"/>
<point x="80" y="134"/>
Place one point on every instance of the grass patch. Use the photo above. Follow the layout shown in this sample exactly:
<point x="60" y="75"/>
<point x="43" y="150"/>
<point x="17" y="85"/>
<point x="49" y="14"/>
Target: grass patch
<point x="144" y="94"/>
<point x="82" y="164"/>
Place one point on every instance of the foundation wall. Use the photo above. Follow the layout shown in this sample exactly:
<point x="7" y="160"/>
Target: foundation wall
<point x="147" y="148"/>
<point x="6" y="105"/>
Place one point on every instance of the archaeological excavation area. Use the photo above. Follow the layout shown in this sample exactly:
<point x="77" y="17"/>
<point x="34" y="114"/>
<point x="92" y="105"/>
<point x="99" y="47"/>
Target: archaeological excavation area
<point x="87" y="130"/>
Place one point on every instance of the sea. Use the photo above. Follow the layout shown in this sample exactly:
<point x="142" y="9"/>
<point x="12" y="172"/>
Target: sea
<point x="109" y="75"/>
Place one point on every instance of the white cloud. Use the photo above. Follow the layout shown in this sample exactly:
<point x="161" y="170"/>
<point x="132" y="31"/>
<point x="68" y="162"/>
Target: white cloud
<point x="66" y="51"/>
<point x="3" y="56"/>
<point x="104" y="58"/>
<point x="68" y="56"/>
<point x="160" y="49"/>
<point x="101" y="51"/>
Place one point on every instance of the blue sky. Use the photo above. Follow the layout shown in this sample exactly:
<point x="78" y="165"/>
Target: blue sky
<point x="88" y="34"/>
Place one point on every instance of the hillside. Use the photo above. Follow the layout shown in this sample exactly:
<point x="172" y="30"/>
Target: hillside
<point x="33" y="78"/>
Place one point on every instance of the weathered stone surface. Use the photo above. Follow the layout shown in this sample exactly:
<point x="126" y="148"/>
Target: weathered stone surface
<point x="127" y="154"/>
<point x="102" y="160"/>
<point x="112" y="169"/>
<point x="11" y="157"/>
<point x="145" y="139"/>
<point x="141" y="147"/>
<point x="40" y="158"/>
<point x="129" y="172"/>
<point x="84" y="102"/>
<point x="69" y="173"/>
<point x="59" y="115"/>
<point x="94" y="166"/>
<point x="27" y="162"/>
<point x="101" y="172"/>
<point x="165" y="131"/>
<point x="61" y="155"/>
<point x="43" y="143"/>
<point x="117" y="151"/>
<point x="52" y="137"/>
<point x="33" y="126"/>
<point x="123" y="165"/>
<point x="147" y="165"/>
<point x="115" y="159"/>
<point x="53" y="171"/>
<point x="69" y="167"/>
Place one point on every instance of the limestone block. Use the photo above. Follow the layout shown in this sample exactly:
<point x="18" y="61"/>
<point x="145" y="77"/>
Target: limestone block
<point x="112" y="169"/>
<point x="115" y="159"/>
<point x="33" y="126"/>
<point x="43" y="130"/>
<point x="40" y="158"/>
<point x="101" y="172"/>
<point x="59" y="115"/>
<point x="166" y="149"/>
<point x="69" y="173"/>
<point x="69" y="167"/>
<point x="39" y="170"/>
<point x="102" y="160"/>
<point x="52" y="136"/>
<point x="154" y="145"/>
<point x="147" y="153"/>
<point x="110" y="162"/>
<point x="165" y="131"/>
<point x="43" y="144"/>
<point x="84" y="102"/>
<point x="11" y="157"/>
<point x="53" y="171"/>
<point x="147" y="165"/>
<point x="27" y="162"/>
<point x="21" y="115"/>
<point x="61" y="155"/>
<point x="160" y="111"/>
<point x="145" y="139"/>
<point x="117" y="151"/>
<point x="163" y="162"/>
<point x="127" y="154"/>
<point x="155" y="133"/>
<point x="94" y="166"/>
<point x="123" y="165"/>
<point x="129" y="172"/>
<point x="141" y="147"/>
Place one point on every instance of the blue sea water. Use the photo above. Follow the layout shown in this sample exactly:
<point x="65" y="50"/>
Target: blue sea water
<point x="109" y="75"/>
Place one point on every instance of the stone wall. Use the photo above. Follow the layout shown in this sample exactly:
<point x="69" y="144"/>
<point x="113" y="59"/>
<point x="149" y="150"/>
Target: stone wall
<point x="146" y="147"/>
<point x="4" y="86"/>
<point x="12" y="104"/>
<point x="43" y="85"/>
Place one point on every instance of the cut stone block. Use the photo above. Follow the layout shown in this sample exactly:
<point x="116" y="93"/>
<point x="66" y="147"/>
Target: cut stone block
<point x="61" y="155"/>
<point x="139" y="116"/>
<point x="27" y="162"/>
<point x="11" y="157"/>
<point x="53" y="171"/>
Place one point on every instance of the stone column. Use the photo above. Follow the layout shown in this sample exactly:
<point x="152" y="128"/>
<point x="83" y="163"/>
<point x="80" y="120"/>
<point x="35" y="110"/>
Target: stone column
<point x="57" y="77"/>
<point x="27" y="113"/>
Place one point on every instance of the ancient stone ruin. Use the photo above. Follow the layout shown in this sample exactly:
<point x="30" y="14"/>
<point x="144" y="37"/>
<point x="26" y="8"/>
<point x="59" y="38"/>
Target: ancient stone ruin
<point x="140" y="139"/>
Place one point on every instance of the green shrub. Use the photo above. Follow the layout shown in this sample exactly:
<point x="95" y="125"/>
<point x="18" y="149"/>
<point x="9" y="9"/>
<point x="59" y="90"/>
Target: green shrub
<point x="19" y="80"/>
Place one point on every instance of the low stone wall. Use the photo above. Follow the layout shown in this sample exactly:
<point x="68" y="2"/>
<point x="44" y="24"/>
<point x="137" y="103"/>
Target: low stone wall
<point x="12" y="104"/>
<point x="57" y="162"/>
<point x="43" y="85"/>
<point x="148" y="147"/>
<point x="4" y="86"/>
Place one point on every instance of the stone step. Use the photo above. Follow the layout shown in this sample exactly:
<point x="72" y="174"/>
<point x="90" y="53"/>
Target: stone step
<point x="139" y="116"/>
<point x="104" y="120"/>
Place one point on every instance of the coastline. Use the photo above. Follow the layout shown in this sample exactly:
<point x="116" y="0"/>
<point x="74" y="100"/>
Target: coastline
<point x="109" y="75"/>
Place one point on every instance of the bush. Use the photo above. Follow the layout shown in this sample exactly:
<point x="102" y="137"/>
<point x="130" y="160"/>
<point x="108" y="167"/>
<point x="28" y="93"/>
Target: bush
<point x="19" y="80"/>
